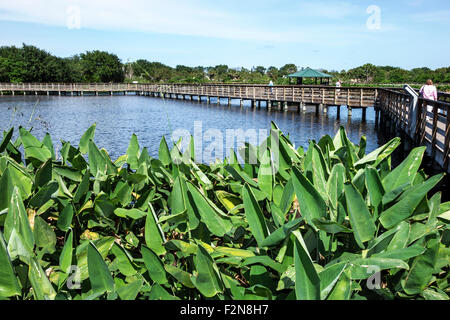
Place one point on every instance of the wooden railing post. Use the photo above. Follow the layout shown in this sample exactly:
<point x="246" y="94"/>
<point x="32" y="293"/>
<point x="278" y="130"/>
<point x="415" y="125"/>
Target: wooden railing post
<point x="434" y="130"/>
<point x="447" y="142"/>
<point x="361" y="98"/>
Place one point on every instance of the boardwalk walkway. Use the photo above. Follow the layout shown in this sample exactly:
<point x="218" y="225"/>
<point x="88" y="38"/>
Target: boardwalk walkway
<point x="430" y="128"/>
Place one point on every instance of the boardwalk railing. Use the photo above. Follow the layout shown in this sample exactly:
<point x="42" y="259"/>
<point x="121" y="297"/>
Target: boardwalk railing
<point x="69" y="87"/>
<point x="349" y="96"/>
<point x="428" y="126"/>
<point x="432" y="122"/>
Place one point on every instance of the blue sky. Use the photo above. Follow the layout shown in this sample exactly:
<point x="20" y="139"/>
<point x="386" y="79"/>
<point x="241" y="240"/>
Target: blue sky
<point x="330" y="34"/>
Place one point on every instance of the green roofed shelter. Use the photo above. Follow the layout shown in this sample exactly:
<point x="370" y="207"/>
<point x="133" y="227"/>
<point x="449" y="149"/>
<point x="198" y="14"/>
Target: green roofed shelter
<point x="311" y="73"/>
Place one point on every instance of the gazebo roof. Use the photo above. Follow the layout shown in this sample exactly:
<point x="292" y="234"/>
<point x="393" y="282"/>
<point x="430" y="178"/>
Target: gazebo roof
<point x="309" y="73"/>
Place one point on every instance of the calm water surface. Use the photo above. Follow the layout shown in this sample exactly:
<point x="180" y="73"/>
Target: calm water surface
<point x="118" y="117"/>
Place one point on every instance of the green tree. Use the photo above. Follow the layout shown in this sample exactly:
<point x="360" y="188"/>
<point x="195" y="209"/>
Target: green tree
<point x="260" y="69"/>
<point x="273" y="73"/>
<point x="398" y="75"/>
<point x="101" y="66"/>
<point x="152" y="71"/>
<point x="287" y="69"/>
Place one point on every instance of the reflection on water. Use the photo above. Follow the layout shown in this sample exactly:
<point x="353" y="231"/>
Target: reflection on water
<point x="118" y="117"/>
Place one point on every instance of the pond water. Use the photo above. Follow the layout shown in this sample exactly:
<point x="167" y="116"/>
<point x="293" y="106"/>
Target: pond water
<point x="118" y="117"/>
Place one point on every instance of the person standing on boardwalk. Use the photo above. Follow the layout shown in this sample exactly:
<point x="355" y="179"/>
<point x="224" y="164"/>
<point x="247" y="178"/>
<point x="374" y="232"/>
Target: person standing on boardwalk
<point x="271" y="85"/>
<point x="429" y="92"/>
<point x="338" y="86"/>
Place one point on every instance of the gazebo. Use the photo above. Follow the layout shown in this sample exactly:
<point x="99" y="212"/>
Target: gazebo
<point x="310" y="73"/>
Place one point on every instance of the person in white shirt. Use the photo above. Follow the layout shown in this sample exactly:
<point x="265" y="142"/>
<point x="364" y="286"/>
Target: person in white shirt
<point x="429" y="92"/>
<point x="271" y="85"/>
<point x="338" y="85"/>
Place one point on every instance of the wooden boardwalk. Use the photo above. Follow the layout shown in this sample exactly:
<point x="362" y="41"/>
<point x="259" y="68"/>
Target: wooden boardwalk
<point x="428" y="124"/>
<point x="430" y="128"/>
<point x="274" y="96"/>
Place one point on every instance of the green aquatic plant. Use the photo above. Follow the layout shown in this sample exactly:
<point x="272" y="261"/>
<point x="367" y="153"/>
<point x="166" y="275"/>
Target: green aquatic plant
<point x="330" y="222"/>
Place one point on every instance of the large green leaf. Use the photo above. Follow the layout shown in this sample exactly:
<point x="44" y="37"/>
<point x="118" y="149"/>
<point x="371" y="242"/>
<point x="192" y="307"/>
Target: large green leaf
<point x="180" y="275"/>
<point x="123" y="260"/>
<point x="65" y="218"/>
<point x="65" y="259"/>
<point x="265" y="261"/>
<point x="287" y="197"/>
<point x="408" y="202"/>
<point x="44" y="194"/>
<point x="329" y="277"/>
<point x="6" y="139"/>
<point x="6" y="187"/>
<point x="21" y="179"/>
<point x="342" y="289"/>
<point x="265" y="175"/>
<point x="361" y="221"/>
<point x="44" y="174"/>
<point x="97" y="162"/>
<point x="378" y="155"/>
<point x="402" y="254"/>
<point x="42" y="288"/>
<point x="17" y="219"/>
<point x="335" y="187"/>
<point x="281" y="233"/>
<point x="44" y="235"/>
<point x="164" y="153"/>
<point x="179" y="202"/>
<point x="48" y="143"/>
<point x="9" y="286"/>
<point x="312" y="205"/>
<point x="99" y="274"/>
<point x="130" y="290"/>
<point x="34" y="149"/>
<point x="331" y="226"/>
<point x="307" y="281"/>
<point x="255" y="217"/>
<point x="83" y="187"/>
<point x="320" y="171"/>
<point x="154" y="265"/>
<point x="422" y="267"/>
<point x="87" y="136"/>
<point x="208" y="280"/>
<point x="154" y="238"/>
<point x="401" y="237"/>
<point x="129" y="213"/>
<point x="69" y="173"/>
<point x="159" y="293"/>
<point x="216" y="223"/>
<point x="406" y="171"/>
<point x="133" y="153"/>
<point x="229" y="201"/>
<point x="374" y="186"/>
<point x="103" y="246"/>
<point x="364" y="268"/>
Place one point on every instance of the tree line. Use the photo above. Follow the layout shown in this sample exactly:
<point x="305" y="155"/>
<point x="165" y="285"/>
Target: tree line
<point x="31" y="64"/>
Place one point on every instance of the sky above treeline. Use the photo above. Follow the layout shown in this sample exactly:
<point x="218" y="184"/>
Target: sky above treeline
<point x="328" y="34"/>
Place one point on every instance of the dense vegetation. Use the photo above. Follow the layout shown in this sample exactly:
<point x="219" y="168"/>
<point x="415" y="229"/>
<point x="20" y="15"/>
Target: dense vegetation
<point x="329" y="222"/>
<point x="30" y="64"/>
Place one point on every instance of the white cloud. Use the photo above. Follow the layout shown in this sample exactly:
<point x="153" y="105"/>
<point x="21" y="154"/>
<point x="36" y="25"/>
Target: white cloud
<point x="194" y="18"/>
<point x="168" y="16"/>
